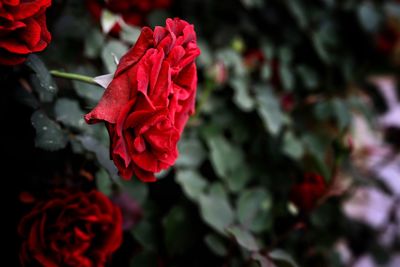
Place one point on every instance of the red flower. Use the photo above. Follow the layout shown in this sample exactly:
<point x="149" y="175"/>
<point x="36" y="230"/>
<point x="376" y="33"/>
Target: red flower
<point x="133" y="12"/>
<point x="71" y="230"/>
<point x="306" y="193"/>
<point x="287" y="102"/>
<point x="149" y="100"/>
<point x="23" y="29"/>
<point x="253" y="58"/>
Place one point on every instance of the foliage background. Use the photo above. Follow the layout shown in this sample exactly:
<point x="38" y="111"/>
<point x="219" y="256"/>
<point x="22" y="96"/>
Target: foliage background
<point x="280" y="85"/>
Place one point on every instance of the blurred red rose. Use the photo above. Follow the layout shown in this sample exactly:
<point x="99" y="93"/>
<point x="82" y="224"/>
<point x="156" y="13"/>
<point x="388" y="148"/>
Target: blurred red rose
<point x="306" y="193"/>
<point x="388" y="40"/>
<point x="23" y="29"/>
<point x="253" y="59"/>
<point x="71" y="230"/>
<point x="287" y="102"/>
<point x="132" y="12"/>
<point x="150" y="99"/>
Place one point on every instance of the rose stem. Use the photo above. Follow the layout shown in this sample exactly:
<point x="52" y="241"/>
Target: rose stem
<point x="73" y="76"/>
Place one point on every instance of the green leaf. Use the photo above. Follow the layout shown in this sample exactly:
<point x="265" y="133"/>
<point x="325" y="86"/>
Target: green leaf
<point x="102" y="154"/>
<point x="268" y="48"/>
<point x="262" y="260"/>
<point x="228" y="162"/>
<point x="292" y="146"/>
<point x="206" y="56"/>
<point x="318" y="42"/>
<point x="334" y="108"/>
<point x="266" y="72"/>
<point x="136" y="189"/>
<point x="129" y="33"/>
<point x="392" y="9"/>
<point x="49" y="135"/>
<point x="192" y="183"/>
<point x="269" y="110"/>
<point x="317" y="147"/>
<point x="224" y="157"/>
<point x="244" y="238"/>
<point x="218" y="189"/>
<point x="287" y="77"/>
<point x="216" y="211"/>
<point x="41" y="79"/>
<point x="369" y="16"/>
<point x="111" y="51"/>
<point x="191" y="153"/>
<point x="69" y="113"/>
<point x="242" y="96"/>
<point x="280" y="255"/>
<point x="178" y="231"/>
<point x="25" y="97"/>
<point x="145" y="233"/>
<point x="103" y="182"/>
<point x="308" y="77"/>
<point x="296" y="7"/>
<point x="216" y="244"/>
<point x="323" y="110"/>
<point x="233" y="61"/>
<point x="285" y="55"/>
<point x="343" y="116"/>
<point x="253" y="209"/>
<point x="94" y="41"/>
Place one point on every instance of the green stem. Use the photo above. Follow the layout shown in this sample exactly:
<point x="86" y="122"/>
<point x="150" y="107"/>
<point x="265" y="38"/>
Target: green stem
<point x="73" y="76"/>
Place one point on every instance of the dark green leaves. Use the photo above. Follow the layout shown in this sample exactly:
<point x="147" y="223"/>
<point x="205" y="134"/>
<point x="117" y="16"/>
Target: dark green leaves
<point x="216" y="210"/>
<point x="49" y="135"/>
<point x="253" y="209"/>
<point x="41" y="79"/>
<point x="269" y="110"/>
<point x="228" y="162"/>
<point x="191" y="153"/>
<point x="369" y="16"/>
<point x="101" y="152"/>
<point x="334" y="109"/>
<point x="244" y="238"/>
<point x="283" y="256"/>
<point x="112" y="52"/>
<point x="192" y="183"/>
<point x="69" y="113"/>
<point x="216" y="244"/>
<point x="292" y="146"/>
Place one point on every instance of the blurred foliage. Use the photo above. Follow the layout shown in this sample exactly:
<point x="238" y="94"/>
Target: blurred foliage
<point x="278" y="84"/>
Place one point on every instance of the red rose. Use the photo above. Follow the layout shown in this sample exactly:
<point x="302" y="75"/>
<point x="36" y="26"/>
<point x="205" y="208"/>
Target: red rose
<point x="23" y="29"/>
<point x="306" y="193"/>
<point x="133" y="12"/>
<point x="149" y="100"/>
<point x="287" y="102"/>
<point x="71" y="230"/>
